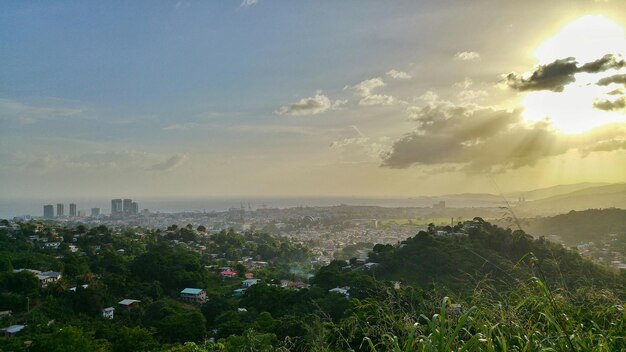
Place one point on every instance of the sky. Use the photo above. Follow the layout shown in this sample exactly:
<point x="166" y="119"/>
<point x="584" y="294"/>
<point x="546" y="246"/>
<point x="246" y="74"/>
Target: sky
<point x="309" y="98"/>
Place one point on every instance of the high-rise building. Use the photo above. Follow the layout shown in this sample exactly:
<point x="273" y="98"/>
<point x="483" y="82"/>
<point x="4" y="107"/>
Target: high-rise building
<point x="48" y="211"/>
<point x="116" y="206"/>
<point x="95" y="212"/>
<point x="73" y="209"/>
<point x="60" y="210"/>
<point x="128" y="206"/>
<point x="134" y="208"/>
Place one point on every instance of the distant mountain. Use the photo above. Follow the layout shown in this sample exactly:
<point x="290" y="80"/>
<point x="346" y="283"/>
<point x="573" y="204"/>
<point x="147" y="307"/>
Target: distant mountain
<point x="554" y="190"/>
<point x="610" y="196"/>
<point x="551" y="200"/>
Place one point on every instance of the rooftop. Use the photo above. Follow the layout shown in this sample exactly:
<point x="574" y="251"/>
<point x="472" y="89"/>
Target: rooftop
<point x="127" y="301"/>
<point x="191" y="291"/>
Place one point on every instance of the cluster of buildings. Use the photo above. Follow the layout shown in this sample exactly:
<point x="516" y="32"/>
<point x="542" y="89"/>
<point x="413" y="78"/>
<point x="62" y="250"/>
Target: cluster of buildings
<point x="124" y="207"/>
<point x="48" y="211"/>
<point x="119" y="208"/>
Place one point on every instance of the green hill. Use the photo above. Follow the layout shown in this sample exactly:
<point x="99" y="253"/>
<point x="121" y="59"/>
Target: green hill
<point x="578" y="226"/>
<point x="506" y="257"/>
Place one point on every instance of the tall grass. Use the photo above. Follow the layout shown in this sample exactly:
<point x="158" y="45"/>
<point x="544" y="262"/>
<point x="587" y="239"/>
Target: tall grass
<point x="529" y="318"/>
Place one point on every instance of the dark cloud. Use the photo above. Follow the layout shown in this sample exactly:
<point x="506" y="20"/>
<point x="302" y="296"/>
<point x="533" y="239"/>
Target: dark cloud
<point x="553" y="76"/>
<point x="607" y="62"/>
<point x="610" y="105"/>
<point x="556" y="75"/>
<point x="619" y="79"/>
<point x="483" y="139"/>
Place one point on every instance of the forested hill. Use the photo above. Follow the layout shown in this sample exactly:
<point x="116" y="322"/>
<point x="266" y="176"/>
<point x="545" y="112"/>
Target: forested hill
<point x="579" y="226"/>
<point x="487" y="252"/>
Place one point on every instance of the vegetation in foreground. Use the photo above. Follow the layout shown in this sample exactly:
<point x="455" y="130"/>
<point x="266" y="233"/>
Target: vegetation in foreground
<point x="484" y="289"/>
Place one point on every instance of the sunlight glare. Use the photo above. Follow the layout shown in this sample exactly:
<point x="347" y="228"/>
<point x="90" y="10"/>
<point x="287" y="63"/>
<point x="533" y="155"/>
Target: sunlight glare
<point x="571" y="111"/>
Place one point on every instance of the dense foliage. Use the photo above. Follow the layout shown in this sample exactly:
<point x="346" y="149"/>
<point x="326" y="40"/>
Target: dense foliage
<point x="480" y="288"/>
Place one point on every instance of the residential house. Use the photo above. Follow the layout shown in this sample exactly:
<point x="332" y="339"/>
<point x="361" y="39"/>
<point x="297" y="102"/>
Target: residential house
<point x="249" y="282"/>
<point x="193" y="295"/>
<point x="51" y="245"/>
<point x="129" y="303"/>
<point x="107" y="313"/>
<point x="13" y="330"/>
<point x="45" y="277"/>
<point x="228" y="274"/>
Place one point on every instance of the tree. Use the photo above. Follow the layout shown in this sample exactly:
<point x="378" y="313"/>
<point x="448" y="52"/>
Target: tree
<point x="132" y="339"/>
<point x="69" y="339"/>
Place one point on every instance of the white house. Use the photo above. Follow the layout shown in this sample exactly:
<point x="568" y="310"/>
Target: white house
<point x="107" y="313"/>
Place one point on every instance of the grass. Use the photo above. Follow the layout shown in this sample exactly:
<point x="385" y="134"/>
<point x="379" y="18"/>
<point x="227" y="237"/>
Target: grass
<point x="531" y="318"/>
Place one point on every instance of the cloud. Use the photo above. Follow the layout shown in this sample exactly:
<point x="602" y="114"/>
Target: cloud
<point x="373" y="148"/>
<point x="619" y="79"/>
<point x="610" y="105"/>
<point x="171" y="163"/>
<point x="553" y="76"/>
<point x="377" y="99"/>
<point x="365" y="90"/>
<point x="398" y="74"/>
<point x="51" y="109"/>
<point x="607" y="62"/>
<point x="93" y="160"/>
<point x="559" y="73"/>
<point x="472" y="95"/>
<point x="467" y="55"/>
<point x="337" y="105"/>
<point x="366" y="87"/>
<point x="307" y="106"/>
<point x="484" y="139"/>
<point x="248" y="3"/>
<point x="605" y="146"/>
<point x="464" y="84"/>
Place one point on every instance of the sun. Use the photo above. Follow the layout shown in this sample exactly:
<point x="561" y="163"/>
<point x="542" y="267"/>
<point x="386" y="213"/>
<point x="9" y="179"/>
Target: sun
<point x="571" y="111"/>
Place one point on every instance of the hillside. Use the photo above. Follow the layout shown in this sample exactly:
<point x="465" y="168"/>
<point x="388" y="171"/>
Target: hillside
<point x="458" y="262"/>
<point x="578" y="226"/>
<point x="611" y="196"/>
<point x="553" y="191"/>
